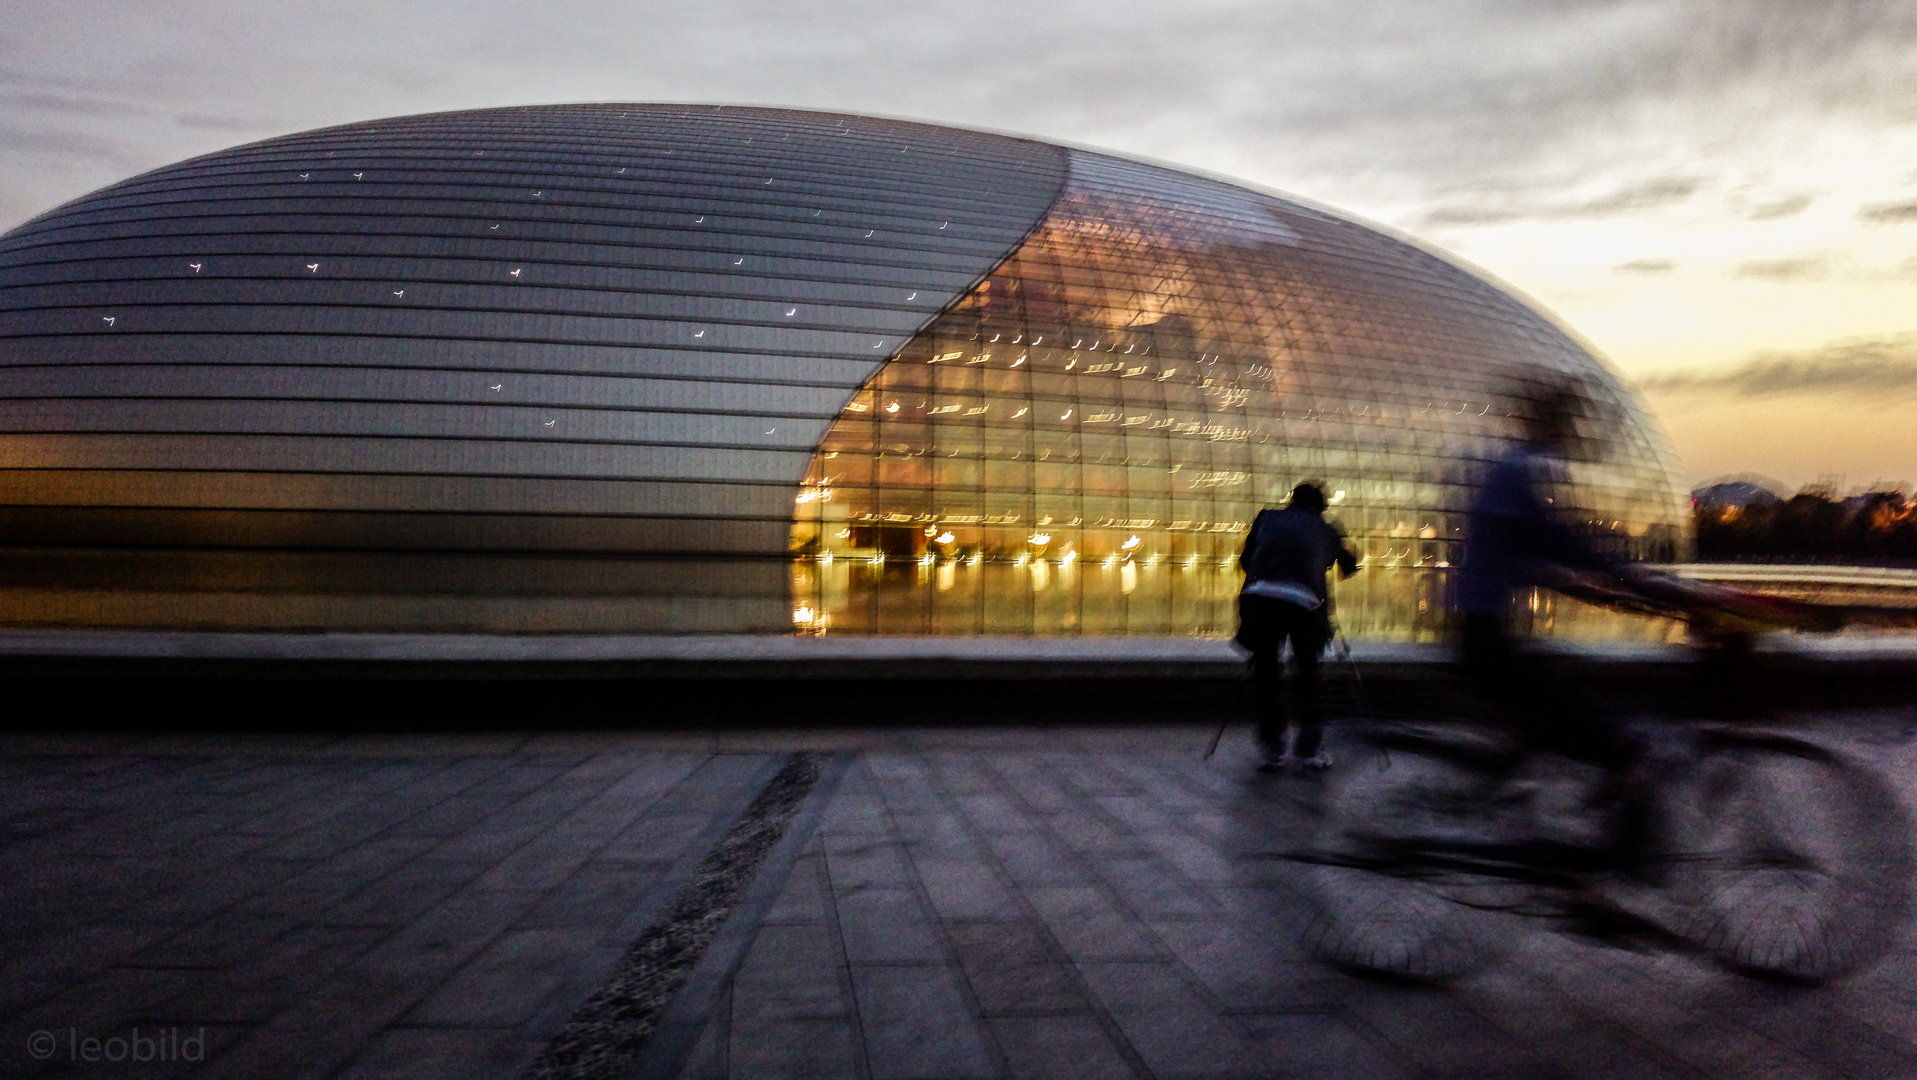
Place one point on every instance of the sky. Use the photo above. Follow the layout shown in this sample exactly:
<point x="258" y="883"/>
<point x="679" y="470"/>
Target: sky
<point x="1720" y="196"/>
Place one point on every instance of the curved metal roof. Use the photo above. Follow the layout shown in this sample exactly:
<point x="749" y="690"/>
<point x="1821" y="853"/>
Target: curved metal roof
<point x="424" y="312"/>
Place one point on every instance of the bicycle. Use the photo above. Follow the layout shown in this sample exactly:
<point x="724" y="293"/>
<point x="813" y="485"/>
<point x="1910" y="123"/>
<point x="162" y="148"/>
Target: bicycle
<point x="1769" y="852"/>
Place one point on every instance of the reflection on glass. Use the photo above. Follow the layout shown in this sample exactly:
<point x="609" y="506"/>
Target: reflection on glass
<point x="1077" y="445"/>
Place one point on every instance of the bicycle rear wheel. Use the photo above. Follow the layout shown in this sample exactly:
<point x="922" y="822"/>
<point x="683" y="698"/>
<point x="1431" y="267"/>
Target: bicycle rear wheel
<point x="1376" y="906"/>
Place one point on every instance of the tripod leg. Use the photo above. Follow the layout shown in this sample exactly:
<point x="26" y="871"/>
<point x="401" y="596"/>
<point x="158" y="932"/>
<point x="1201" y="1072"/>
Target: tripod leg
<point x="1216" y="736"/>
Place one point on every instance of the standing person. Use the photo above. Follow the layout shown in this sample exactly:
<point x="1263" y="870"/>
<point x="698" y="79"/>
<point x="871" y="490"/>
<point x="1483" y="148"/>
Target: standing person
<point x="1286" y="555"/>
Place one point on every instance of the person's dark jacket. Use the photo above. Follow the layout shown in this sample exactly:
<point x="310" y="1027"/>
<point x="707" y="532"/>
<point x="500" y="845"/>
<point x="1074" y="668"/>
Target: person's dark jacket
<point x="1297" y="546"/>
<point x="1512" y="535"/>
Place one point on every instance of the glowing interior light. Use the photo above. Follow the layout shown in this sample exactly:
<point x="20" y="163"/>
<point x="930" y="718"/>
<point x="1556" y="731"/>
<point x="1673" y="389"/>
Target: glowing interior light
<point x="802" y="616"/>
<point x="1041" y="539"/>
<point x="945" y="537"/>
<point x="1338" y="497"/>
<point x="1129" y="544"/>
<point x="894" y="407"/>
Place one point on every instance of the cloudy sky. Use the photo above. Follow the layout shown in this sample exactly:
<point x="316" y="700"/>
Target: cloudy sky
<point x="1721" y="196"/>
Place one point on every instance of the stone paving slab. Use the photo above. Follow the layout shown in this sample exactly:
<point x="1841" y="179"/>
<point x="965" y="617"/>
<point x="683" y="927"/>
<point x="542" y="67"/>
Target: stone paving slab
<point x="977" y="902"/>
<point x="320" y="906"/>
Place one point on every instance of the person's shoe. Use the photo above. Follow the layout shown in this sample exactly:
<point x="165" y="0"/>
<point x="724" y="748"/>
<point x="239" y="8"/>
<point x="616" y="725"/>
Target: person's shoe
<point x="1317" y="763"/>
<point x="1275" y="762"/>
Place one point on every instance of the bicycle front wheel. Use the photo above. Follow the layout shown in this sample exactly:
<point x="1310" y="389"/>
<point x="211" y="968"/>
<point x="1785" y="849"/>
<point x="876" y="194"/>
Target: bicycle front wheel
<point x="1786" y="860"/>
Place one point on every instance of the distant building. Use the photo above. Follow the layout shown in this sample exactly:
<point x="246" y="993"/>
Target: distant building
<point x="668" y="368"/>
<point x="1741" y="494"/>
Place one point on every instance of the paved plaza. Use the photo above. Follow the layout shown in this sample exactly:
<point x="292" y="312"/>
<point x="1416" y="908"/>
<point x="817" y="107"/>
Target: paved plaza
<point x="1075" y="901"/>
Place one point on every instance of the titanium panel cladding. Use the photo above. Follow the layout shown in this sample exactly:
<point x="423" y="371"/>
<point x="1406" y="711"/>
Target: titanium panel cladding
<point x="512" y="369"/>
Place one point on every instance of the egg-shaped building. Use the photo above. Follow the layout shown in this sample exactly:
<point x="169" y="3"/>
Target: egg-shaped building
<point x="666" y="368"/>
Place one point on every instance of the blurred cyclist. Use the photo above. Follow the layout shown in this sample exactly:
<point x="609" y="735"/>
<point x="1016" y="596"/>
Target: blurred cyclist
<point x="1286" y="555"/>
<point x="1516" y="542"/>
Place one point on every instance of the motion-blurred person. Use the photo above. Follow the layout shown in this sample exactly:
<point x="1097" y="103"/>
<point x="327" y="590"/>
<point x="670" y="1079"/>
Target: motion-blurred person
<point x="1286" y="555"/>
<point x="1514" y="542"/>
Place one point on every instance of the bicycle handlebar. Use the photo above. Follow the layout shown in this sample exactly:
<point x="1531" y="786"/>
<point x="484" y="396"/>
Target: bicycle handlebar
<point x="1718" y="608"/>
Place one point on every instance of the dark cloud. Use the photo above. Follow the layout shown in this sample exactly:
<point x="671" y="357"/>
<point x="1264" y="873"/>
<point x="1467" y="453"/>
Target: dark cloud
<point x="1798" y="268"/>
<point x="1634" y="198"/>
<point x="1786" y="206"/>
<point x="71" y="105"/>
<point x="241" y="125"/>
<point x="1645" y="266"/>
<point x="1866" y="368"/>
<point x="1896" y="213"/>
<point x="65" y="143"/>
<point x="1638" y="197"/>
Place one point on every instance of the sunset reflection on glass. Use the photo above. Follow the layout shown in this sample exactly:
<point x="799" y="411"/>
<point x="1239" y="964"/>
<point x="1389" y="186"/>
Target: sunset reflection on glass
<point x="1086" y="434"/>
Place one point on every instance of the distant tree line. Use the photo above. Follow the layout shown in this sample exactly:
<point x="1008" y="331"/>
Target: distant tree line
<point x="1811" y="526"/>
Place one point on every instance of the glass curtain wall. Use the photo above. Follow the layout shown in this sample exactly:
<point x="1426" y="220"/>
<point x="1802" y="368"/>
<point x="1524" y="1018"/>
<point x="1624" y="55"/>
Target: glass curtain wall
<point x="1078" y="445"/>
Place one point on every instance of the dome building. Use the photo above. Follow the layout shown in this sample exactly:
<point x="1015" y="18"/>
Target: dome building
<point x="643" y="368"/>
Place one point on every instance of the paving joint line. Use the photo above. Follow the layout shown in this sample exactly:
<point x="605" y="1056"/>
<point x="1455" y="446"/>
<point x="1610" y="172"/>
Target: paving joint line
<point x="1070" y="781"/>
<point x="841" y="959"/>
<point x="987" y="770"/>
<point x="940" y="927"/>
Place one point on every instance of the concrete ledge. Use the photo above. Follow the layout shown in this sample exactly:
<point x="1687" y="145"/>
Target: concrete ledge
<point x="503" y="656"/>
<point x="716" y="656"/>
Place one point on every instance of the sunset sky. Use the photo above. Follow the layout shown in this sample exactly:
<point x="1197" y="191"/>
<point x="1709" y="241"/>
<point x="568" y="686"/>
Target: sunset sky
<point x="1721" y="197"/>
